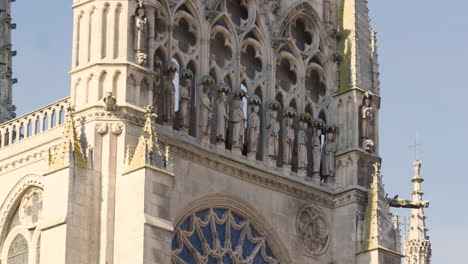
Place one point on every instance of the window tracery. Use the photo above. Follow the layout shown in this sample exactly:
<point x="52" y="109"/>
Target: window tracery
<point x="219" y="235"/>
<point x="20" y="238"/>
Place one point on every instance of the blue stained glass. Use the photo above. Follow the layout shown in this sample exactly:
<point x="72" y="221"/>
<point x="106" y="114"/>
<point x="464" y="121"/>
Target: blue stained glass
<point x="220" y="212"/>
<point x="254" y="232"/>
<point x="247" y="248"/>
<point x="187" y="256"/>
<point x="208" y="234"/>
<point x="259" y="259"/>
<point x="175" y="241"/>
<point x="227" y="259"/>
<point x="203" y="215"/>
<point x="238" y="219"/>
<point x="186" y="225"/>
<point x="196" y="243"/>
<point x="221" y="230"/>
<point x="219" y="254"/>
<point x="212" y="260"/>
<point x="235" y="236"/>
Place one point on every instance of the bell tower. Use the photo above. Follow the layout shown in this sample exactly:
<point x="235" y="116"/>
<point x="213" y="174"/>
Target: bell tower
<point x="7" y="110"/>
<point x="111" y="43"/>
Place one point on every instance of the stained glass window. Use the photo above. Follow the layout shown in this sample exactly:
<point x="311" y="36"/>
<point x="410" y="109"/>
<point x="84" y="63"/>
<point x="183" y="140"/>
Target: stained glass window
<point x="18" y="252"/>
<point x="219" y="236"/>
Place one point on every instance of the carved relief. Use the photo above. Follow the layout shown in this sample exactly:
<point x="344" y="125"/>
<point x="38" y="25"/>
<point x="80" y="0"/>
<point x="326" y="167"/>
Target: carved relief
<point x="313" y="230"/>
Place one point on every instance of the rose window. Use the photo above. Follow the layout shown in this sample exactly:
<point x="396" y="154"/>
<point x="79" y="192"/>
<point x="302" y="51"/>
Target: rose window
<point x="219" y="236"/>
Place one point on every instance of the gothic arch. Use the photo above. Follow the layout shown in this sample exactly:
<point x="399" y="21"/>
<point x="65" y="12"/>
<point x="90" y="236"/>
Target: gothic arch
<point x="13" y="200"/>
<point x="244" y="210"/>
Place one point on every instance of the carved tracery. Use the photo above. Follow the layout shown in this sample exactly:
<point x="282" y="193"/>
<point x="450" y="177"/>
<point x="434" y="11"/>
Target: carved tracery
<point x="219" y="235"/>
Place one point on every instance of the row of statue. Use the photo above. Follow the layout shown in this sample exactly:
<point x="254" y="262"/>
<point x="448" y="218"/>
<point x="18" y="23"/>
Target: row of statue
<point x="239" y="131"/>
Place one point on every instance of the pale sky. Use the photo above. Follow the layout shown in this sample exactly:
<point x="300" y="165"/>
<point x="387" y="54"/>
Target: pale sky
<point x="423" y="54"/>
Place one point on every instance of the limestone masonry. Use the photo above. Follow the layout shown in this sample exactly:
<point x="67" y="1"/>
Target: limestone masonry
<point x="205" y="131"/>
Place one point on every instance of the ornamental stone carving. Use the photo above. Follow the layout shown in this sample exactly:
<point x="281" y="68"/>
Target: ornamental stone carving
<point x="313" y="230"/>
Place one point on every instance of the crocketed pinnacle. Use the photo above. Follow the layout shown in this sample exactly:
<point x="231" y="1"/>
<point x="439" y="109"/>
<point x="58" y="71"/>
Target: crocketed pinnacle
<point x="69" y="151"/>
<point x="148" y="151"/>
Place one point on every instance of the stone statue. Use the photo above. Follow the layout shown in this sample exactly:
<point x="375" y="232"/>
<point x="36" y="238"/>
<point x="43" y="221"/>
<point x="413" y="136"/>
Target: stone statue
<point x="222" y="117"/>
<point x="109" y="102"/>
<point x="367" y="123"/>
<point x="184" y="101"/>
<point x="302" y="148"/>
<point x="273" y="129"/>
<point x="140" y="33"/>
<point x="289" y="137"/>
<point x="253" y="128"/>
<point x="238" y="124"/>
<point x="329" y="150"/>
<point x="169" y="93"/>
<point x="206" y="109"/>
<point x="317" y="148"/>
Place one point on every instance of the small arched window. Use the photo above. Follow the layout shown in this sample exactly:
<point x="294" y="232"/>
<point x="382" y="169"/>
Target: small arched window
<point x="18" y="252"/>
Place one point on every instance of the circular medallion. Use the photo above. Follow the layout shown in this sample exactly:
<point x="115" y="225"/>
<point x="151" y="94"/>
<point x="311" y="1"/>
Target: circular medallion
<point x="313" y="230"/>
<point x="30" y="210"/>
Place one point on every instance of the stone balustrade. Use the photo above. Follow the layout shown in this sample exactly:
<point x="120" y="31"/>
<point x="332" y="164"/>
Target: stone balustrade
<point x="33" y="123"/>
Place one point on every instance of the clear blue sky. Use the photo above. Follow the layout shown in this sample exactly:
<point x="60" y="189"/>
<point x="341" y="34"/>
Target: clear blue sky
<point x="423" y="54"/>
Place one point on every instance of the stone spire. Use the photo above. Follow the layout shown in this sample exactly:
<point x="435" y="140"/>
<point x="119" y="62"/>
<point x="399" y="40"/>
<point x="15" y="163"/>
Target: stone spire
<point x="417" y="244"/>
<point x="7" y="110"/>
<point x="69" y="151"/>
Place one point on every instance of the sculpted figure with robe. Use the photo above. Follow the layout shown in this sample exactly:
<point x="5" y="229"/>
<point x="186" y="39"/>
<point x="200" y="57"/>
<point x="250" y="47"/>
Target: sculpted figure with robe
<point x="140" y="33"/>
<point x="329" y="150"/>
<point x="317" y="149"/>
<point x="302" y="142"/>
<point x="273" y="129"/>
<point x="222" y="117"/>
<point x="206" y="109"/>
<point x="289" y="137"/>
<point x="253" y="129"/>
<point x="169" y="94"/>
<point x="184" y="101"/>
<point x="367" y="123"/>
<point x="238" y="124"/>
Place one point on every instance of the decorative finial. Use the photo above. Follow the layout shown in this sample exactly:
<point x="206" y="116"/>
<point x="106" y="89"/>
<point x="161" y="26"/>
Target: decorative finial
<point x="376" y="166"/>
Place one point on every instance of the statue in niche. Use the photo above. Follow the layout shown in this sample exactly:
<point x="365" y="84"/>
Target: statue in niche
<point x="157" y="91"/>
<point x="169" y="93"/>
<point x="273" y="129"/>
<point x="302" y="142"/>
<point x="238" y="123"/>
<point x="140" y="33"/>
<point x="329" y="150"/>
<point x="367" y="123"/>
<point x="317" y="147"/>
<point x="184" y="101"/>
<point x="222" y="117"/>
<point x="253" y="126"/>
<point x="206" y="109"/>
<point x="289" y="136"/>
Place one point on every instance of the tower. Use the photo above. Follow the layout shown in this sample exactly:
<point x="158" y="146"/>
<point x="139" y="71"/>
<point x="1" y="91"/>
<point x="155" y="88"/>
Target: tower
<point x="7" y="110"/>
<point x="417" y="244"/>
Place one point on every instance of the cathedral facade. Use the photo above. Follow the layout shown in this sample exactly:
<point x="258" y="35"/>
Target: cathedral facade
<point x="205" y="131"/>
